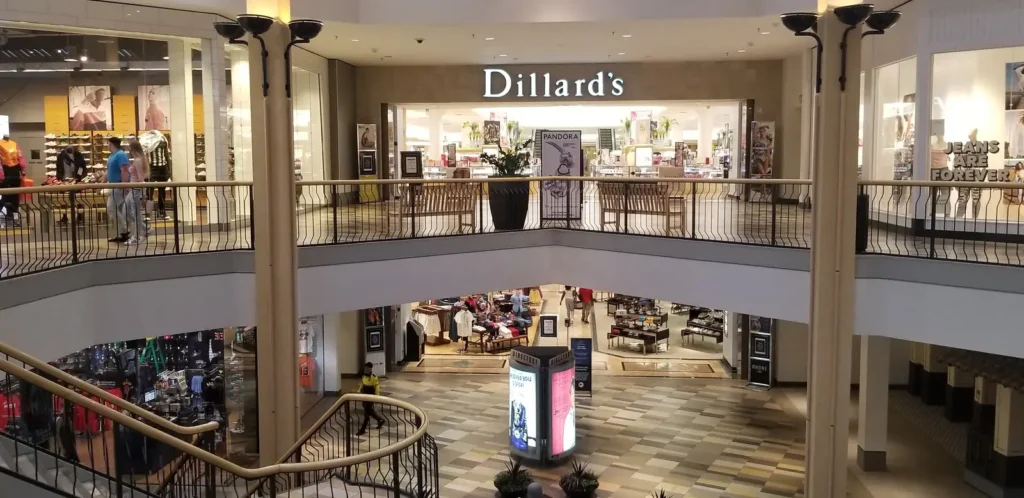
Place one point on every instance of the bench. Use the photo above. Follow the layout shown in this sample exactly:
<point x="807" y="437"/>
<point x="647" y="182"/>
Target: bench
<point x="658" y="199"/>
<point x="503" y="343"/>
<point x="427" y="200"/>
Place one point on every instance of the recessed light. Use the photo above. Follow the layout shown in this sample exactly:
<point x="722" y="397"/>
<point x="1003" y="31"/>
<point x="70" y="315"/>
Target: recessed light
<point x="166" y="57"/>
<point x="741" y="51"/>
<point x="355" y="39"/>
<point x="766" y="32"/>
<point x="622" y="53"/>
<point x="502" y="55"/>
<point x="489" y="38"/>
<point x="84" y="58"/>
<point x="627" y="36"/>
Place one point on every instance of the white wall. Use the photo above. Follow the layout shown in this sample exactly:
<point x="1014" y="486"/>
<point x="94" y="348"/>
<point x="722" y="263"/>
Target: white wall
<point x="342" y="347"/>
<point x="791" y="355"/>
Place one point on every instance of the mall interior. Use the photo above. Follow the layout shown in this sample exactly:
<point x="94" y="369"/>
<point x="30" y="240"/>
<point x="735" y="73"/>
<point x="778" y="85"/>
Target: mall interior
<point x="864" y="348"/>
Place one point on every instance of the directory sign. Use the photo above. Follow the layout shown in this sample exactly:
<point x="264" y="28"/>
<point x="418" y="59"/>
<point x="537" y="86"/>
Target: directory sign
<point x="582" y="351"/>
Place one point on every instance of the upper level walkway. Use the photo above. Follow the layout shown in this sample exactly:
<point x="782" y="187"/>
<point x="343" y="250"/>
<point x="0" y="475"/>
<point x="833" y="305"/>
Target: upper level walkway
<point x="67" y="225"/>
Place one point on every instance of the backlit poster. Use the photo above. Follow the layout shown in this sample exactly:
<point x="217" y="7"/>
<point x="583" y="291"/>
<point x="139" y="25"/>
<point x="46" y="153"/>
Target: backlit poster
<point x="89" y="108"/>
<point x="563" y="412"/>
<point x="154" y="107"/>
<point x="522" y="398"/>
<point x="561" y="155"/>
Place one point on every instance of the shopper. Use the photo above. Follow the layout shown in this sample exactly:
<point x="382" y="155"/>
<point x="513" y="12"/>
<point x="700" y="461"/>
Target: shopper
<point x="66" y="434"/>
<point x="569" y="298"/>
<point x="117" y="172"/>
<point x="10" y="177"/>
<point x="138" y="170"/>
<point x="369" y="384"/>
<point x="587" y="297"/>
<point x="71" y="164"/>
<point x="519" y="302"/>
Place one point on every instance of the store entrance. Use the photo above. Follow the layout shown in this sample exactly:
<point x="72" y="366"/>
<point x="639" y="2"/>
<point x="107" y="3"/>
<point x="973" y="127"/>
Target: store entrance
<point x="623" y="139"/>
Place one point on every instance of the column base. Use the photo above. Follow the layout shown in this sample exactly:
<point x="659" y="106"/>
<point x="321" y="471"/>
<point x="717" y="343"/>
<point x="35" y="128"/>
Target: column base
<point x="933" y="388"/>
<point x="989" y="488"/>
<point x="871" y="461"/>
<point x="914" y="379"/>
<point x="983" y="419"/>
<point x="959" y="403"/>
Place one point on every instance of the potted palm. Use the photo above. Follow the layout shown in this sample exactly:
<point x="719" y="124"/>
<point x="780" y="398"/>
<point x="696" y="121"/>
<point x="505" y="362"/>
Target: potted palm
<point x="666" y="126"/>
<point x="628" y="125"/>
<point x="509" y="200"/>
<point x="513" y="481"/>
<point x="660" y="493"/>
<point x="474" y="134"/>
<point x="580" y="482"/>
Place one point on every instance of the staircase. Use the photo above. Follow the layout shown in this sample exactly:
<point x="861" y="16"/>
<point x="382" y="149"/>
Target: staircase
<point x="56" y="439"/>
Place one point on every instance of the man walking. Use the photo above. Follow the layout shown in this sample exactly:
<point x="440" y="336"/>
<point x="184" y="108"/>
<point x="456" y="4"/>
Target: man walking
<point x="587" y="298"/>
<point x="117" y="172"/>
<point x="369" y="384"/>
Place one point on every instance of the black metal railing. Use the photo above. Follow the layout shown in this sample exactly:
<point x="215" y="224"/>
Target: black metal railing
<point x="959" y="221"/>
<point x="63" y="441"/>
<point x="52" y="227"/>
<point x="764" y="212"/>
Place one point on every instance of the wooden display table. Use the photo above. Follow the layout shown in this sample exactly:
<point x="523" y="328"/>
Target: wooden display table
<point x="442" y="315"/>
<point x="645" y="337"/>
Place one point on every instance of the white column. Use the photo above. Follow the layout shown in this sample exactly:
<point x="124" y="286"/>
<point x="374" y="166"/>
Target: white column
<point x="807" y="122"/>
<point x="183" y="152"/>
<point x="215" y="102"/>
<point x="873" y="403"/>
<point x="705" y="134"/>
<point x="241" y="115"/>
<point x="436" y="130"/>
<point x="1009" y="437"/>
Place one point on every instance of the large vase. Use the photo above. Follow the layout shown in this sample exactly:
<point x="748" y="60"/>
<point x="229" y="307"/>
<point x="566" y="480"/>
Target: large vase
<point x="509" y="203"/>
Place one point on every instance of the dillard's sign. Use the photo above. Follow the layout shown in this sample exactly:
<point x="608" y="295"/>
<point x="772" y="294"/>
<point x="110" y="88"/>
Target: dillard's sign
<point x="498" y="83"/>
<point x="970" y="163"/>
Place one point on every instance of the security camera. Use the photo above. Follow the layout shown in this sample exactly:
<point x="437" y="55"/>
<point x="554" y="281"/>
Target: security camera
<point x="419" y="40"/>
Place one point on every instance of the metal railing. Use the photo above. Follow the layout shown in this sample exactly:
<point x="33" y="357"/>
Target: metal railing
<point x="958" y="221"/>
<point x="71" y="444"/>
<point x="61" y="226"/>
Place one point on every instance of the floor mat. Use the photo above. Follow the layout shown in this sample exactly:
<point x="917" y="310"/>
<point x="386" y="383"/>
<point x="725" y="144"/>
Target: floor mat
<point x="667" y="366"/>
<point x="462" y="362"/>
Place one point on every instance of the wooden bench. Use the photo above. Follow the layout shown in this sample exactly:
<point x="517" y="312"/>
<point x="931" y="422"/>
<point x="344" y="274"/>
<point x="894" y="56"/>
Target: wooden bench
<point x="427" y="200"/>
<point x="504" y="343"/>
<point x="657" y="199"/>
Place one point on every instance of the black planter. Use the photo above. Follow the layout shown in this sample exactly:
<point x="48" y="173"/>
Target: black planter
<point x="509" y="202"/>
<point x="588" y="493"/>
<point x="511" y="493"/>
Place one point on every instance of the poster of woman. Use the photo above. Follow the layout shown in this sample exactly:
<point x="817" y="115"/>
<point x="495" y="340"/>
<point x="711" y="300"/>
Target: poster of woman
<point x="89" y="108"/>
<point x="154" y="107"/>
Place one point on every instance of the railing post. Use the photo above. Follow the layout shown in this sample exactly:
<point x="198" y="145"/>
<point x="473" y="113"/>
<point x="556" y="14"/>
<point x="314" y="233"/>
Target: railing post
<point x="480" y="205"/>
<point x="931" y="239"/>
<point x="210" y="487"/>
<point x="775" y="192"/>
<point x="73" y="226"/>
<point x="412" y="207"/>
<point x="693" y="210"/>
<point x="568" y="202"/>
<point x="396" y="477"/>
<point x="252" y="221"/>
<point x="419" y="461"/>
<point x="177" y="231"/>
<point x="625" y="210"/>
<point x="273" y="487"/>
<point x="863" y="220"/>
<point x="298" y="475"/>
<point x="334" y="209"/>
<point x="348" y="438"/>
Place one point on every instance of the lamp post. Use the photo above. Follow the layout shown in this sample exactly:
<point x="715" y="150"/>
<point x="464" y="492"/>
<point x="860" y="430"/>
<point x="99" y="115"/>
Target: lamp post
<point x="302" y="31"/>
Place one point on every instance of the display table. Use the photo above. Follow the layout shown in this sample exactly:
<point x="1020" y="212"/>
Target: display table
<point x="442" y="313"/>
<point x="645" y="337"/>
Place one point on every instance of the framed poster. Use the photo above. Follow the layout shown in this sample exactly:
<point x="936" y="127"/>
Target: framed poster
<point x="89" y="108"/>
<point x="492" y="132"/>
<point x="374" y="317"/>
<point x="761" y="342"/>
<point x="154" y="107"/>
<point x="548" y="325"/>
<point x="451" y="152"/>
<point x="412" y="164"/>
<point x="366" y="136"/>
<point x="561" y="155"/>
<point x="368" y="163"/>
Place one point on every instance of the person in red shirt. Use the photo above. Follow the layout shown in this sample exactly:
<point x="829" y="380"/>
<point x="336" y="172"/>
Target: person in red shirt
<point x="587" y="297"/>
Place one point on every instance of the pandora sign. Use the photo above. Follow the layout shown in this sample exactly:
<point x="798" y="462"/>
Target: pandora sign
<point x="499" y="83"/>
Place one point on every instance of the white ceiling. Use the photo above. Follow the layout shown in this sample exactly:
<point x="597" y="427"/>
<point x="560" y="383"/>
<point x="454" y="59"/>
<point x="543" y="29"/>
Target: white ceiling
<point x="650" y="41"/>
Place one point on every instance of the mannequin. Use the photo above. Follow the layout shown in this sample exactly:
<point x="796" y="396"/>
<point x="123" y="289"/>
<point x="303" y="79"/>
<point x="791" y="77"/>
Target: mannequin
<point x="939" y="160"/>
<point x="973" y="193"/>
<point x="155" y="145"/>
<point x="13" y="171"/>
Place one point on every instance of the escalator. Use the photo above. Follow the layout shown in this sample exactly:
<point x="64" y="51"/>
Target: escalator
<point x="60" y="436"/>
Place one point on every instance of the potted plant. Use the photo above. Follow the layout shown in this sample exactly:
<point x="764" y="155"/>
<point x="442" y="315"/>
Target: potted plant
<point x="660" y="493"/>
<point x="666" y="126"/>
<point x="628" y="125"/>
<point x="580" y="482"/>
<point x="474" y="134"/>
<point x="509" y="200"/>
<point x="513" y="481"/>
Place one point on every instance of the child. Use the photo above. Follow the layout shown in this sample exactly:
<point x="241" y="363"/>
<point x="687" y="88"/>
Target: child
<point x="369" y="384"/>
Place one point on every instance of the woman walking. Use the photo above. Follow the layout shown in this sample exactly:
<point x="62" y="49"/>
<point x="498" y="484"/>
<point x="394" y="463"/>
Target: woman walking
<point x="569" y="298"/>
<point x="138" y="170"/>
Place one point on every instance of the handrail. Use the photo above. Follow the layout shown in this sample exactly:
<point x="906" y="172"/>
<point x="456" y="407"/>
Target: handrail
<point x="132" y="408"/>
<point x="940" y="184"/>
<point x="216" y="461"/>
<point x="78" y="187"/>
<point x="595" y="179"/>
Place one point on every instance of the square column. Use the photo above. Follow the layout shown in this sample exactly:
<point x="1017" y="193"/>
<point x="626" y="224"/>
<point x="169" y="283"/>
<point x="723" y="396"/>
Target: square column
<point x="183" y="140"/>
<point x="873" y="403"/>
<point x="916" y="370"/>
<point x="933" y="376"/>
<point x="998" y="469"/>
<point x="832" y="264"/>
<point x="959" y="394"/>
<point x="221" y="201"/>
<point x="983" y="416"/>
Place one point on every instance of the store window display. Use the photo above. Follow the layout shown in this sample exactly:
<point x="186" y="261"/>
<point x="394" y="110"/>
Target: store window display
<point x="977" y="120"/>
<point x="895" y="103"/>
<point x="308" y="124"/>
<point x="311" y="361"/>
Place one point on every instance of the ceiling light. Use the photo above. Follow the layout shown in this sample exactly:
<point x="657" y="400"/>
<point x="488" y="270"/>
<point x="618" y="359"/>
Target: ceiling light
<point x="166" y="57"/>
<point x="355" y="39"/>
<point x="766" y="32"/>
<point x="622" y="53"/>
<point x="84" y="58"/>
<point x="489" y="38"/>
<point x="741" y="51"/>
<point x="70" y="59"/>
<point x="502" y="55"/>
<point x="627" y="36"/>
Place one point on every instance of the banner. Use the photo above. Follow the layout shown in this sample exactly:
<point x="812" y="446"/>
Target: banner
<point x="561" y="155"/>
<point x="583" y="351"/>
<point x="492" y="132"/>
<point x="548" y="325"/>
<point x="762" y="333"/>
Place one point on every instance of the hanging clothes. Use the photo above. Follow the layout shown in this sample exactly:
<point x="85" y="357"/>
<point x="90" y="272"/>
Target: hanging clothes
<point x="464" y="321"/>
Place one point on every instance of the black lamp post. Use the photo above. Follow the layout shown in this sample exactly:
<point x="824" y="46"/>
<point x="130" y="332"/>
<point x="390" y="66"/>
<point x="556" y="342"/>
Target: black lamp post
<point x="302" y="31"/>
<point x="852" y="16"/>
<point x="805" y="24"/>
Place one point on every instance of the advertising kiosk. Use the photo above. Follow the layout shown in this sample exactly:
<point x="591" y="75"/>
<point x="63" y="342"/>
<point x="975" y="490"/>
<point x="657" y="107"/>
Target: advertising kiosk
<point x="542" y="403"/>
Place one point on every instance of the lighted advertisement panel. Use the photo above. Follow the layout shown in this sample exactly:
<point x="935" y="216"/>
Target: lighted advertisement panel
<point x="563" y="412"/>
<point x="542" y="403"/>
<point x="522" y="398"/>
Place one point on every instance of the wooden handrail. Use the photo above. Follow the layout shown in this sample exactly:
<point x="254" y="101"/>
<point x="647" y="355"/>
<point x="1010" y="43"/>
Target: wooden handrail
<point x="134" y="409"/>
<point x="229" y="467"/>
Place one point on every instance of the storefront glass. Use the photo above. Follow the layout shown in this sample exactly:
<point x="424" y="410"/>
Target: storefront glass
<point x="311" y="361"/>
<point x="979" y="96"/>
<point x="308" y="124"/>
<point x="894" y="102"/>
